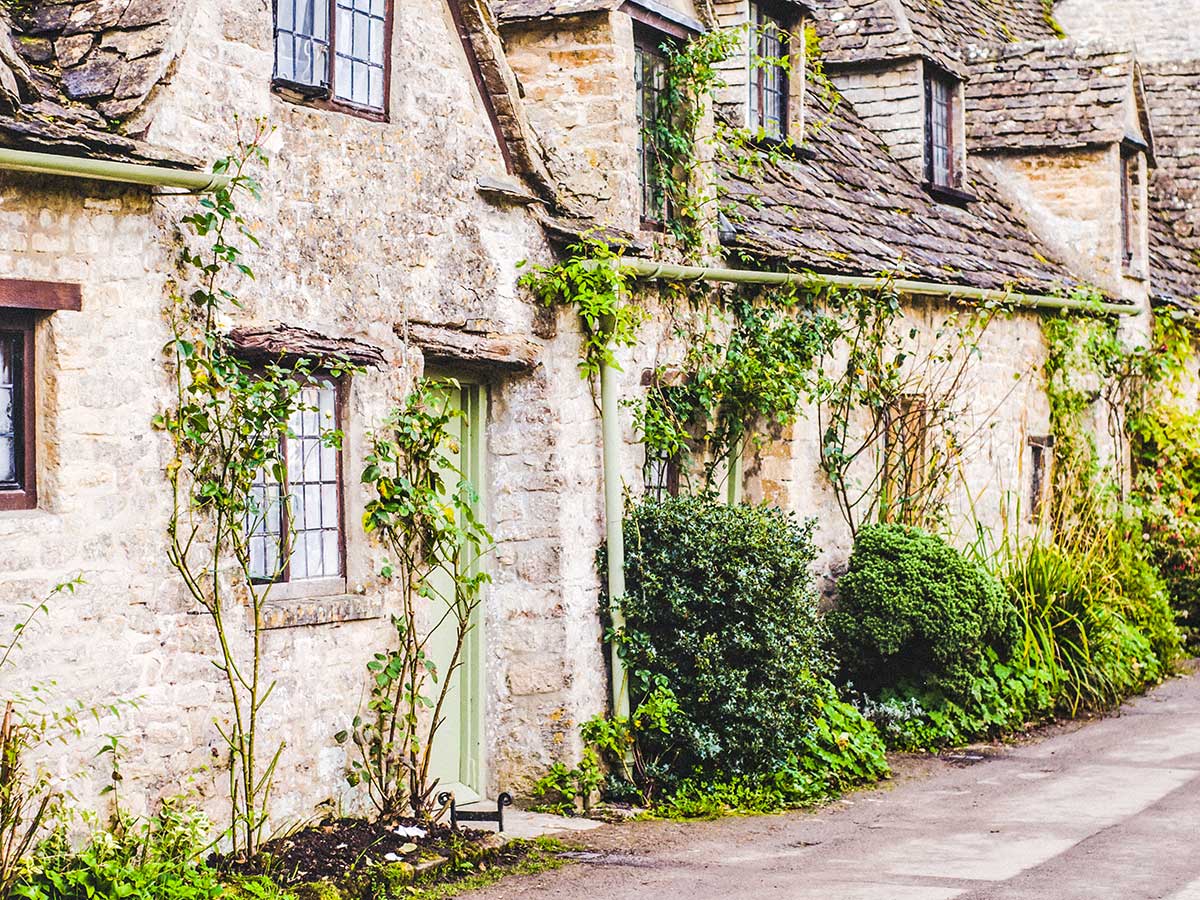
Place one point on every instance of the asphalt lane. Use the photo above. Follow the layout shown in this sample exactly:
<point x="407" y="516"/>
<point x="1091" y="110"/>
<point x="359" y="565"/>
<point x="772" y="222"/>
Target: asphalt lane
<point x="1109" y="810"/>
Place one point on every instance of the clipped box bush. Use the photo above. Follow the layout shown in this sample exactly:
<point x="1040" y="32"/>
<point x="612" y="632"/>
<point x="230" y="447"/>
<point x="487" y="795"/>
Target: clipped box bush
<point x="720" y="601"/>
<point x="913" y="610"/>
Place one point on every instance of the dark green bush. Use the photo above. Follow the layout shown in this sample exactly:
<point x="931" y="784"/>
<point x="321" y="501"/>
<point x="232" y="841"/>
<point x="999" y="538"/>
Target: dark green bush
<point x="913" y="609"/>
<point x="720" y="602"/>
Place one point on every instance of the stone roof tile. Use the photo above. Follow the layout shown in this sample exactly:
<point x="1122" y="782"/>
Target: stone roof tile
<point x="1042" y="94"/>
<point x="853" y="209"/>
<point x="861" y="30"/>
<point x="1171" y="92"/>
<point x="72" y="69"/>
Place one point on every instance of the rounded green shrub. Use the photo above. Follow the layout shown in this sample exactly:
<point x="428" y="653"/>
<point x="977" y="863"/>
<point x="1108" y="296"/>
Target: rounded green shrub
<point x="719" y="601"/>
<point x="912" y="609"/>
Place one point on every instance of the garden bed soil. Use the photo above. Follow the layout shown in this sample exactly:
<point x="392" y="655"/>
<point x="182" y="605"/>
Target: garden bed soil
<point x="336" y="848"/>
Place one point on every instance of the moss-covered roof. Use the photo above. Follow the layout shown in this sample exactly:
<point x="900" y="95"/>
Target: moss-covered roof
<point x="851" y="208"/>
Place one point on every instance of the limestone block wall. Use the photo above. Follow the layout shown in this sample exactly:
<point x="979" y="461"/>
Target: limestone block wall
<point x="365" y="226"/>
<point x="577" y="77"/>
<point x="891" y="100"/>
<point x="999" y="406"/>
<point x="1160" y="30"/>
<point x="1073" y="200"/>
<point x="732" y="99"/>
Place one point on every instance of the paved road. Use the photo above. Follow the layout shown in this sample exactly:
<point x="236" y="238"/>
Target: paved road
<point x="1106" y="810"/>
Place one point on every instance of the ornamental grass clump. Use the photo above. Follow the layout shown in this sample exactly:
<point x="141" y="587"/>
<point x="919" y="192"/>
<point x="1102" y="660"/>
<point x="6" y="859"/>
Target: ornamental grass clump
<point x="1093" y="611"/>
<point x="912" y="609"/>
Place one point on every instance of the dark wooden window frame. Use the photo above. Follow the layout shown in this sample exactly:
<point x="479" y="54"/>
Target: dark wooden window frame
<point x="647" y="42"/>
<point x="1129" y="218"/>
<point x="22" y="302"/>
<point x="1041" y="450"/>
<point x="341" y="385"/>
<point x="940" y="78"/>
<point x="670" y="482"/>
<point x="323" y="96"/>
<point x="785" y="21"/>
<point x="18" y="325"/>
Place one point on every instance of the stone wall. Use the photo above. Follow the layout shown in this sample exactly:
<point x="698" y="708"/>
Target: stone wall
<point x="577" y="78"/>
<point x="1160" y="30"/>
<point x="999" y="406"/>
<point x="891" y="101"/>
<point x="365" y="226"/>
<point x="1072" y="199"/>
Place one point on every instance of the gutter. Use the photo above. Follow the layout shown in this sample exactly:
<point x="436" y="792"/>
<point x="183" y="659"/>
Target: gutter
<point x="650" y="270"/>
<point x="108" y="170"/>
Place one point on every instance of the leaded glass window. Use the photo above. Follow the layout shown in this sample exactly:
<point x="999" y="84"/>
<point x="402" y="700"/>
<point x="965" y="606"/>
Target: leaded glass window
<point x="302" y="42"/>
<point x="768" y="74"/>
<point x="355" y="72"/>
<point x="10" y="404"/>
<point x="359" y="69"/>
<point x="650" y="76"/>
<point x="17" y="445"/>
<point x="941" y="152"/>
<point x="300" y="539"/>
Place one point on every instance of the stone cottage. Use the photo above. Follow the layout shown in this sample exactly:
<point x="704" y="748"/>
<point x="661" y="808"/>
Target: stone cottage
<point x="420" y="152"/>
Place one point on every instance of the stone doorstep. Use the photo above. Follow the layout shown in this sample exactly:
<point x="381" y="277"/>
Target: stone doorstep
<point x="521" y="823"/>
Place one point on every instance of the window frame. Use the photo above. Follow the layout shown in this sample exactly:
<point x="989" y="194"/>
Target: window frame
<point x="23" y="495"/>
<point x="284" y="587"/>
<point x="765" y="10"/>
<point x="905" y="452"/>
<point x="661" y="476"/>
<point x="648" y="42"/>
<point x="1130" y="220"/>
<point x="936" y="78"/>
<point x="1041" y="474"/>
<point x="325" y="96"/>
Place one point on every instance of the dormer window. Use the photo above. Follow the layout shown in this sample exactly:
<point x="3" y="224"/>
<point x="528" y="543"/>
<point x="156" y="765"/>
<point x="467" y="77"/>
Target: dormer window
<point x="769" y="65"/>
<point x="942" y="140"/>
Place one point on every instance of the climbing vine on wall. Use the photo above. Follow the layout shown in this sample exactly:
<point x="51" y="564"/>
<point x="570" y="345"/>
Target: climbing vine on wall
<point x="675" y="135"/>
<point x="892" y="415"/>
<point x="750" y="363"/>
<point x="227" y="424"/>
<point x="592" y="282"/>
<point x="1151" y="477"/>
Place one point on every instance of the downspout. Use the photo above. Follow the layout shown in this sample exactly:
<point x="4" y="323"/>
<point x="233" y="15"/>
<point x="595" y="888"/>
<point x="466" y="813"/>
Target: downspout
<point x="614" y="515"/>
<point x="108" y="170"/>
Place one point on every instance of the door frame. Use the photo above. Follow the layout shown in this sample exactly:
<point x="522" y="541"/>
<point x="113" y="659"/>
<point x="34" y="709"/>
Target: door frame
<point x="473" y="768"/>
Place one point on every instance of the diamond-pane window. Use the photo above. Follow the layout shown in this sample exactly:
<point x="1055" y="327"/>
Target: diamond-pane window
<point x="355" y="72"/>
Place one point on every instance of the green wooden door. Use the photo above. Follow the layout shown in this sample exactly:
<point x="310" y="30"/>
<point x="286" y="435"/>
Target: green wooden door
<point x="458" y="757"/>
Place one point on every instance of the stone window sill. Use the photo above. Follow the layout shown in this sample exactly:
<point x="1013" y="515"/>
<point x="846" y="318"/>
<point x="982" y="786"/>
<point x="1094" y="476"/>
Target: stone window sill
<point x="300" y="611"/>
